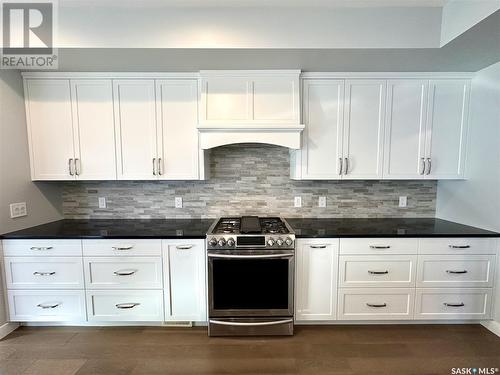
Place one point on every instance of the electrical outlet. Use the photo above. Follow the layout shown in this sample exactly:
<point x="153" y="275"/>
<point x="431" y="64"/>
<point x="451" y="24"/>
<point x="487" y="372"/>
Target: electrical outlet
<point x="297" y="202"/>
<point x="322" y="202"/>
<point x="403" y="201"/>
<point x="178" y="202"/>
<point x="102" y="202"/>
<point x="18" y="210"/>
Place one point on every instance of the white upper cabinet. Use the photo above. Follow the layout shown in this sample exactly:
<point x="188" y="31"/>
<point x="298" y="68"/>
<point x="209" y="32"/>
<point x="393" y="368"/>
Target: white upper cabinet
<point x="321" y="153"/>
<point x="94" y="134"/>
<point x="363" y="129"/>
<point x="447" y="128"/>
<point x="50" y="129"/>
<point x="136" y="133"/>
<point x="405" y="129"/>
<point x="177" y="104"/>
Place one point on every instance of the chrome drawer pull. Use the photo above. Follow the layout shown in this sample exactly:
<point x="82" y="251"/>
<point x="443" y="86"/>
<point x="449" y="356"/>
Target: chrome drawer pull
<point x="41" y="248"/>
<point x="243" y="324"/>
<point x="459" y="246"/>
<point x="340" y="165"/>
<point x="379" y="247"/>
<point x="38" y="273"/>
<point x="376" y="304"/>
<point x="456" y="272"/>
<point x="46" y="306"/>
<point x="124" y="272"/>
<point x="461" y="304"/>
<point x="317" y="246"/>
<point x="184" y="247"/>
<point x="122" y="247"/>
<point x="127" y="305"/>
<point x="378" y="272"/>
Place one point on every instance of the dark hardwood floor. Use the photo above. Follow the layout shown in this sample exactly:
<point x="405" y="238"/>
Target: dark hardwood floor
<point x="380" y="349"/>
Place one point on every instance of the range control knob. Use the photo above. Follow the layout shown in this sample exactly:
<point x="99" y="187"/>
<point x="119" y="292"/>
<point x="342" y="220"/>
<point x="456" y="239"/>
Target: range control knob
<point x="222" y="242"/>
<point x="230" y="242"/>
<point x="270" y="242"/>
<point x="279" y="241"/>
<point x="213" y="242"/>
<point x="288" y="241"/>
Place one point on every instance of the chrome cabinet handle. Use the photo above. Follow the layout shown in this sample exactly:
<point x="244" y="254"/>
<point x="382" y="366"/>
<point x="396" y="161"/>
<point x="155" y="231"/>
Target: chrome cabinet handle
<point x="38" y="273"/>
<point x="122" y="247"/>
<point x="346" y="165"/>
<point x="380" y="247"/>
<point x="70" y="162"/>
<point x="376" y="304"/>
<point x="184" y="247"/>
<point x="456" y="272"/>
<point x="244" y="324"/>
<point x="429" y="163"/>
<point x="77" y="167"/>
<point x="378" y="272"/>
<point x="447" y="304"/>
<point x="124" y="272"/>
<point x="340" y="166"/>
<point x="154" y="166"/>
<point x="228" y="256"/>
<point x="47" y="306"/>
<point x="159" y="167"/>
<point x="41" y="248"/>
<point x="317" y="246"/>
<point x="130" y="305"/>
<point x="422" y="172"/>
<point x="459" y="246"/>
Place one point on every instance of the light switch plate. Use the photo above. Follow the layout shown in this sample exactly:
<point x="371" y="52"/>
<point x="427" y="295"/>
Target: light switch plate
<point x="102" y="202"/>
<point x="322" y="202"/>
<point x="403" y="201"/>
<point x="18" y="210"/>
<point x="178" y="202"/>
<point x="297" y="202"/>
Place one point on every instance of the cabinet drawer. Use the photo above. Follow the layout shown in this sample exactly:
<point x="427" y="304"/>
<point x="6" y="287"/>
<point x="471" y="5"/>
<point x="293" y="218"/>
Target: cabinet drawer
<point x="44" y="273"/>
<point x="455" y="270"/>
<point x="108" y="248"/>
<point x="46" y="306"/>
<point x="453" y="303"/>
<point x="376" y="304"/>
<point x="123" y="273"/>
<point x="371" y="246"/>
<point x="377" y="271"/>
<point x="458" y="246"/>
<point x="33" y="248"/>
<point x="125" y="305"/>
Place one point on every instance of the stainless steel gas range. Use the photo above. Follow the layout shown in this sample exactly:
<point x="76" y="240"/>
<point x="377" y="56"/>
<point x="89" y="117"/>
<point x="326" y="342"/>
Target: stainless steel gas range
<point x="250" y="276"/>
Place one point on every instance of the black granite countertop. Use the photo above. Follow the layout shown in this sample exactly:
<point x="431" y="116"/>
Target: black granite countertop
<point x="388" y="227"/>
<point x="197" y="228"/>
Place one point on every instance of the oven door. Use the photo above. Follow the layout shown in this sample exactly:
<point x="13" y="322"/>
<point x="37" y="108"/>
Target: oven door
<point x="250" y="283"/>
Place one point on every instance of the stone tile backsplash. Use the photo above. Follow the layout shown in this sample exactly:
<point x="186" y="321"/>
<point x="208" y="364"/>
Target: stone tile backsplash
<point x="247" y="179"/>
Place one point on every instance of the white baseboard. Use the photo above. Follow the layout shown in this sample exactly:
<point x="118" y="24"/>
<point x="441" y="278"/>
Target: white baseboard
<point x="7" y="328"/>
<point x="493" y="326"/>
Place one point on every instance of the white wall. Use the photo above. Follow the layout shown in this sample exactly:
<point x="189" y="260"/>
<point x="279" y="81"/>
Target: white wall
<point x="476" y="201"/>
<point x="461" y="15"/>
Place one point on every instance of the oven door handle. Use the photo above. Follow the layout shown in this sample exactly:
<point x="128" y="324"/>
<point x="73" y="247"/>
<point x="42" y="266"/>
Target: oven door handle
<point x="241" y="324"/>
<point x="263" y="256"/>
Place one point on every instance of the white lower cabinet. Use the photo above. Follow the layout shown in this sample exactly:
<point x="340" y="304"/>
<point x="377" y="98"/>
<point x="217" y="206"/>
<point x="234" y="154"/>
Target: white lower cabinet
<point x="376" y="304"/>
<point x="316" y="279"/>
<point x="453" y="303"/>
<point x="46" y="305"/>
<point x="184" y="264"/>
<point x="125" y="305"/>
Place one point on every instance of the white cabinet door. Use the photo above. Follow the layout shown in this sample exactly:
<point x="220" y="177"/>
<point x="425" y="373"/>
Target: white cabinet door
<point x="447" y="128"/>
<point x="405" y="130"/>
<point x="135" y="118"/>
<point x="322" y="136"/>
<point x="177" y="103"/>
<point x="363" y="129"/>
<point x="94" y="134"/>
<point x="185" y="280"/>
<point x="50" y="129"/>
<point x="316" y="279"/>
<point x="226" y="99"/>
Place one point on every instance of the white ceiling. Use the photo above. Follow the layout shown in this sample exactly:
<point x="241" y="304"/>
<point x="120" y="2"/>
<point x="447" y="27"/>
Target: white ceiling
<point x="253" y="3"/>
